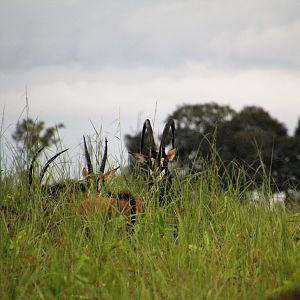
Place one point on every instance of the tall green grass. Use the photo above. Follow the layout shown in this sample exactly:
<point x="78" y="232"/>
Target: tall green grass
<point x="210" y="242"/>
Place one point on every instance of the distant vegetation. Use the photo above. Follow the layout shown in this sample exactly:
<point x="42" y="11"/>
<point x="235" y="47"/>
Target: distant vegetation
<point x="250" y="139"/>
<point x="31" y="135"/>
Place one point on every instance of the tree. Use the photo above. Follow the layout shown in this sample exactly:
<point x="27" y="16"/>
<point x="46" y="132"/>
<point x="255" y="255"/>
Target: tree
<point x="196" y="128"/>
<point x="133" y="142"/>
<point x="254" y="139"/>
<point x="297" y="130"/>
<point x="30" y="135"/>
<point x="249" y="131"/>
<point x="286" y="163"/>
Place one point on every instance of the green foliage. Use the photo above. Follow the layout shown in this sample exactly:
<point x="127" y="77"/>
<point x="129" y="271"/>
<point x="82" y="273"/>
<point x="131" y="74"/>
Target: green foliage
<point x="207" y="244"/>
<point x="250" y="130"/>
<point x="252" y="138"/>
<point x="286" y="163"/>
<point x="210" y="242"/>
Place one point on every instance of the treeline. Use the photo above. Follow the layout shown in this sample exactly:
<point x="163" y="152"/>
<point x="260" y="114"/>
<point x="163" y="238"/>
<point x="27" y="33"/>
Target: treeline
<point x="250" y="139"/>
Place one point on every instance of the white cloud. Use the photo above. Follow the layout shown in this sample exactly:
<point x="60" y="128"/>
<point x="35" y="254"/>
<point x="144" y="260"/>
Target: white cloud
<point x="169" y="33"/>
<point x="96" y="96"/>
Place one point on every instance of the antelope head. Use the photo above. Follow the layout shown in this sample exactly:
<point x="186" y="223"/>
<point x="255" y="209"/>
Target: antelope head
<point x="100" y="177"/>
<point x="157" y="160"/>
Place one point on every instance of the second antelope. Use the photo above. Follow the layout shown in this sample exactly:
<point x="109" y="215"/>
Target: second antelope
<point x="157" y="161"/>
<point x="103" y="200"/>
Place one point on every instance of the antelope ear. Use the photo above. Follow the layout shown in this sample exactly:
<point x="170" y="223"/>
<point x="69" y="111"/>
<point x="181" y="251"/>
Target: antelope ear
<point x="171" y="154"/>
<point x="139" y="157"/>
<point x="110" y="174"/>
<point x="85" y="172"/>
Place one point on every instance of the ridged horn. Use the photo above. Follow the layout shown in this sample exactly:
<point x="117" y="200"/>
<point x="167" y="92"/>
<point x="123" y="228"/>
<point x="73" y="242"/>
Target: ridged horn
<point x="104" y="158"/>
<point x="147" y="126"/>
<point x="46" y="166"/>
<point x="163" y="143"/>
<point x="88" y="158"/>
<point x="30" y="173"/>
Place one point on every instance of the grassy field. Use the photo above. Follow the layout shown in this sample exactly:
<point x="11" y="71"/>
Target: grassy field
<point x="207" y="243"/>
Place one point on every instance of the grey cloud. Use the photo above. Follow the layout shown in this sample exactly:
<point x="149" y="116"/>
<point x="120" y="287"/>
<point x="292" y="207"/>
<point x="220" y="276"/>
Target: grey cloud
<point x="158" y="33"/>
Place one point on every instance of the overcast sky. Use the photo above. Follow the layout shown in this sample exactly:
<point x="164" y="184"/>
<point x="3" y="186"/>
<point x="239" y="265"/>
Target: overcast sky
<point x="111" y="62"/>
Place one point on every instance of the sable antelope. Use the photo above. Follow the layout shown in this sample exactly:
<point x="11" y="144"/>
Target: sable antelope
<point x="104" y="200"/>
<point x="158" y="161"/>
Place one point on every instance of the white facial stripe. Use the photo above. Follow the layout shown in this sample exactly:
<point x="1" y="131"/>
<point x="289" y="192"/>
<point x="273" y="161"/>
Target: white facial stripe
<point x="152" y="162"/>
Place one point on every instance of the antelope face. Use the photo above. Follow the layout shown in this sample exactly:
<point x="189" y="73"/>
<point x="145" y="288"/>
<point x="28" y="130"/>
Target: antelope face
<point x="158" y="166"/>
<point x="99" y="177"/>
<point x="157" y="161"/>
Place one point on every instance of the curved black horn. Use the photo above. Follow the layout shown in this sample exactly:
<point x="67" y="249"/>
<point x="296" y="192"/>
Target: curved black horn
<point x="104" y="158"/>
<point x="30" y="173"/>
<point x="87" y="157"/>
<point x="163" y="143"/>
<point x="46" y="166"/>
<point x="147" y="126"/>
